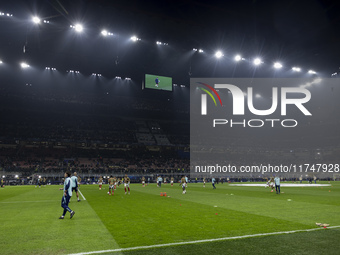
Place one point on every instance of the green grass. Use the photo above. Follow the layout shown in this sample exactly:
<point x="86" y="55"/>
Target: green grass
<point x="30" y="225"/>
<point x="165" y="83"/>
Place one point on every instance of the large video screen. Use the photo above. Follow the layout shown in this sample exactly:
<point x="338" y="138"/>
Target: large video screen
<point x="158" y="82"/>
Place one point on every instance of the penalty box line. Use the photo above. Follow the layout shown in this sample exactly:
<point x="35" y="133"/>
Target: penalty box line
<point x="200" y="241"/>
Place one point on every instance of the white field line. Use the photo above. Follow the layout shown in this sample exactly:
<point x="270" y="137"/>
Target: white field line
<point x="82" y="195"/>
<point x="282" y="185"/>
<point x="199" y="241"/>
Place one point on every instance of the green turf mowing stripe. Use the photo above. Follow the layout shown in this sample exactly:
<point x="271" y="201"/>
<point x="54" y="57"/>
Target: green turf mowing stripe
<point x="34" y="228"/>
<point x="199" y="241"/>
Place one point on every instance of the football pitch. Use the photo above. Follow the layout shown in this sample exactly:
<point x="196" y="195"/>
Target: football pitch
<point x="227" y="220"/>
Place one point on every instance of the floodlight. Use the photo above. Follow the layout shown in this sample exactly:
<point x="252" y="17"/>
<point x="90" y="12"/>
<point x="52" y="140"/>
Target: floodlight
<point x="118" y="77"/>
<point x="218" y="54"/>
<point x="135" y="38"/>
<point x="24" y="65"/>
<point x="127" y="78"/>
<point x="311" y="72"/>
<point x="296" y="69"/>
<point x="78" y="27"/>
<point x="277" y="65"/>
<point x="36" y="20"/>
<point x="158" y="43"/>
<point x="194" y="49"/>
<point x="0" y="62"/>
<point x="257" y="61"/>
<point x="258" y="96"/>
<point x="238" y="58"/>
<point x="200" y="51"/>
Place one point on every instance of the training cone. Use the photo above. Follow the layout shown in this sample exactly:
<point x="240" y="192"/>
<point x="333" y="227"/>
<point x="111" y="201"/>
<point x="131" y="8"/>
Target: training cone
<point x="164" y="194"/>
<point x="161" y="194"/>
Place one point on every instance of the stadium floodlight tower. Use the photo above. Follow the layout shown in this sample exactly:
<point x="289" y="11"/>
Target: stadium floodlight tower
<point x="218" y="54"/>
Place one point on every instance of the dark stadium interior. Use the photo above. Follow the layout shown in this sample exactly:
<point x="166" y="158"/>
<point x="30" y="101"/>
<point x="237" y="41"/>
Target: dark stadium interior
<point x="99" y="125"/>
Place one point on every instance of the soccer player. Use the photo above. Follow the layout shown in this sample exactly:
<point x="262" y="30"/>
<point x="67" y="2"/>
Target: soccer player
<point x="100" y="182"/>
<point x="186" y="181"/>
<point x="156" y="81"/>
<point x="172" y="181"/>
<point x="74" y="184"/>
<point x="183" y="183"/>
<point x="2" y="182"/>
<point x="111" y="185"/>
<point x="277" y="185"/>
<point x="143" y="181"/>
<point x="272" y="184"/>
<point x="127" y="183"/>
<point x="67" y="195"/>
<point x="115" y="182"/>
<point x="213" y="182"/>
<point x="159" y="181"/>
<point x="204" y="182"/>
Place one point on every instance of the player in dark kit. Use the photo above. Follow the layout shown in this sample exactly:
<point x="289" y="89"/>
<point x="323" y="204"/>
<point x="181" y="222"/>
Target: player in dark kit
<point x="156" y="81"/>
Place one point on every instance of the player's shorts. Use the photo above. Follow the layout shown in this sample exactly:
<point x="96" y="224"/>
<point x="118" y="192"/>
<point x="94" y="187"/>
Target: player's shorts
<point x="183" y="185"/>
<point x="116" y="183"/>
<point x="75" y="189"/>
<point x="111" y="186"/>
<point x="272" y="184"/>
<point x="100" y="183"/>
<point x="143" y="182"/>
<point x="126" y="185"/>
<point x="172" y="182"/>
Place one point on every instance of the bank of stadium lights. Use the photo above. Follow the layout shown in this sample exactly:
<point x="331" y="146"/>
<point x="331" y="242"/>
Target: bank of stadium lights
<point x="182" y="86"/>
<point x="106" y="33"/>
<point x="199" y="50"/>
<point x="6" y="14"/>
<point x="73" y="71"/>
<point x="79" y="28"/>
<point x="219" y="54"/>
<point x="296" y="69"/>
<point x="311" y="72"/>
<point x="134" y="38"/>
<point x="50" y="68"/>
<point x="257" y="61"/>
<point x="118" y="77"/>
<point x="0" y="62"/>
<point x="161" y="43"/>
<point x="24" y="65"/>
<point x="277" y="65"/>
<point x="175" y="85"/>
<point x="96" y="74"/>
